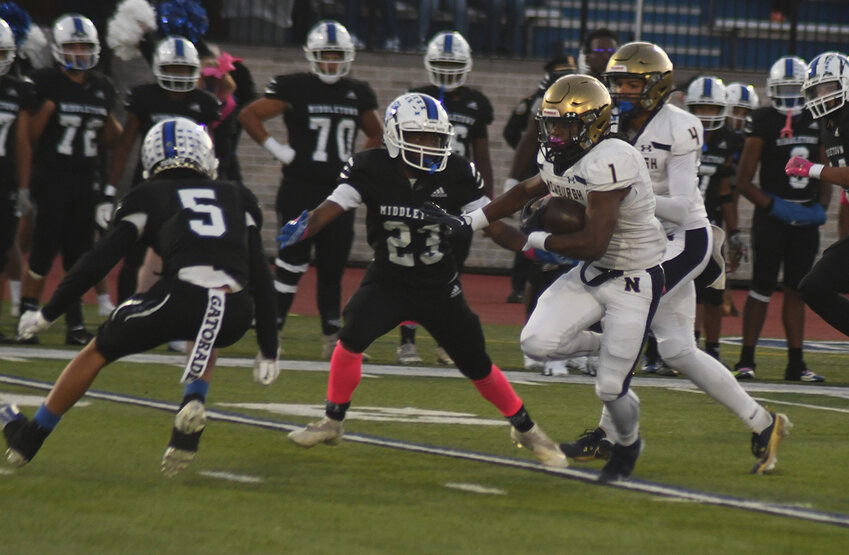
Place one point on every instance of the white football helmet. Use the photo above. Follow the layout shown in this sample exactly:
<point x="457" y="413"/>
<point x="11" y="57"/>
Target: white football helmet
<point x="448" y="60"/>
<point x="708" y="91"/>
<point x="740" y="95"/>
<point x="178" y="143"/>
<point x="417" y="112"/>
<point x="784" y="84"/>
<point x="827" y="84"/>
<point x="176" y="64"/>
<point x="75" y="42"/>
<point x="329" y="37"/>
<point x="7" y="47"/>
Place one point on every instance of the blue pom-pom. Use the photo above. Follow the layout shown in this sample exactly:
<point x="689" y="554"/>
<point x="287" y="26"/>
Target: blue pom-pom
<point x="182" y="17"/>
<point x="18" y="19"/>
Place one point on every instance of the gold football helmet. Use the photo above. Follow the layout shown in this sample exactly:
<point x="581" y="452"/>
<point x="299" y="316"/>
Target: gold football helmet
<point x="641" y="60"/>
<point x="573" y="118"/>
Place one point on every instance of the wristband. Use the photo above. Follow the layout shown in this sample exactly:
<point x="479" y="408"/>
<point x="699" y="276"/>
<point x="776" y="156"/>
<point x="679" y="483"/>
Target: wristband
<point x="815" y="171"/>
<point x="109" y="191"/>
<point x="284" y="153"/>
<point x="477" y="219"/>
<point x="536" y="240"/>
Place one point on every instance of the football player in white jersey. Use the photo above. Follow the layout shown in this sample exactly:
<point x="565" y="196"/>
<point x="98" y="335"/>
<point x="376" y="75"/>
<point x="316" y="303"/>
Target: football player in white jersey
<point x="670" y="140"/>
<point x="622" y="243"/>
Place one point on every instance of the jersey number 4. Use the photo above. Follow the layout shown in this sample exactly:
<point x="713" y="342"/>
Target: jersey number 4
<point x="210" y="220"/>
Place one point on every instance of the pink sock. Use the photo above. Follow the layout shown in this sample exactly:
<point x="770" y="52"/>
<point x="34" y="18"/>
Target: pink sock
<point x="497" y="390"/>
<point x="345" y="373"/>
<point x="409" y="323"/>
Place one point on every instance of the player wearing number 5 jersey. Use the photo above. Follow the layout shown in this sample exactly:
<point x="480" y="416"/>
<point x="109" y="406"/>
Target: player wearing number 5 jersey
<point x="73" y="122"/>
<point x="215" y="279"/>
<point x="323" y="111"/>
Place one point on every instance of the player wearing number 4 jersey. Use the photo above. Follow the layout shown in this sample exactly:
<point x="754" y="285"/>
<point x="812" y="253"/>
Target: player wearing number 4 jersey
<point x="323" y="111"/>
<point x="413" y="275"/>
<point x="70" y="127"/>
<point x="215" y="279"/>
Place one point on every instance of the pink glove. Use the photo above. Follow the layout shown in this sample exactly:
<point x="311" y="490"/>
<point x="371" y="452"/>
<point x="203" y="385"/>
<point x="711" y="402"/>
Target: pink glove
<point x="799" y="167"/>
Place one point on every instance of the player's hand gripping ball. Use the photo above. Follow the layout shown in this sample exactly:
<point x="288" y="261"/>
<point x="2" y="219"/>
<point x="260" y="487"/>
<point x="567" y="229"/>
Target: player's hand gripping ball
<point x="553" y="214"/>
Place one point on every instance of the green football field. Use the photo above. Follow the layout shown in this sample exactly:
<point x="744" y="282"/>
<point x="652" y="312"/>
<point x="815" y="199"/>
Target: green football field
<point x="428" y="466"/>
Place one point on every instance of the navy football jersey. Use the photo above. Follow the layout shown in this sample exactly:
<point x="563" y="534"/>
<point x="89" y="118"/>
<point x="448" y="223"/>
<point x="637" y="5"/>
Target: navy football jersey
<point x="194" y="222"/>
<point x="15" y="95"/>
<point x="721" y="145"/>
<point x="323" y="121"/>
<point x="469" y="110"/>
<point x="766" y="124"/>
<point x="71" y="139"/>
<point x="151" y="104"/>
<point x="405" y="246"/>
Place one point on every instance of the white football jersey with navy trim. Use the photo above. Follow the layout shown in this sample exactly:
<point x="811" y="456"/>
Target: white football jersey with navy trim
<point x="638" y="242"/>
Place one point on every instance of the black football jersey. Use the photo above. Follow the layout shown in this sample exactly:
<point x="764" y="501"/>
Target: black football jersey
<point x="834" y="132"/>
<point x="71" y="139"/>
<point x="323" y="121"/>
<point x="406" y="247"/>
<point x="717" y="149"/>
<point x="194" y="222"/>
<point x="469" y="111"/>
<point x="767" y="123"/>
<point x="151" y="104"/>
<point x="15" y="95"/>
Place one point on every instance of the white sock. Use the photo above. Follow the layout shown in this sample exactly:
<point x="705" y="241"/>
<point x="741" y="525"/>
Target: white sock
<point x="15" y="291"/>
<point x="104" y="300"/>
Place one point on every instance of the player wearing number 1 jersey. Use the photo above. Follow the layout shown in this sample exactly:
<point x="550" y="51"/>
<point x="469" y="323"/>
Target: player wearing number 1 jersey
<point x="215" y="279"/>
<point x="323" y="111"/>
<point x="72" y="124"/>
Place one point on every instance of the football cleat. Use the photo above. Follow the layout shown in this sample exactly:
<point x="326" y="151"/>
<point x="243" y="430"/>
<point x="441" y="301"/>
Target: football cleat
<point x="185" y="438"/>
<point x="592" y="445"/>
<point x="555" y="368"/>
<point x="23" y="437"/>
<point x="533" y="364"/>
<point x="541" y="445"/>
<point x="406" y="354"/>
<point x="78" y="336"/>
<point x="803" y="374"/>
<point x="623" y="458"/>
<point x="442" y="357"/>
<point x="328" y="343"/>
<point x="765" y="444"/>
<point x="744" y="371"/>
<point x="326" y="431"/>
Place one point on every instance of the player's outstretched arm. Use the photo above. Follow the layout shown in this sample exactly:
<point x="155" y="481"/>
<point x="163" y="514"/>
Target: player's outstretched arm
<point x="514" y="199"/>
<point x="309" y="223"/>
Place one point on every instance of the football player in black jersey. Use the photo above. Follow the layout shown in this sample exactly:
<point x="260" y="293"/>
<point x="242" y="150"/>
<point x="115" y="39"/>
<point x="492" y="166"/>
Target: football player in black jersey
<point x="448" y="61"/>
<point x="788" y="213"/>
<point x="215" y="279"/>
<point x="826" y="89"/>
<point x="706" y="99"/>
<point x="73" y="123"/>
<point x="17" y="102"/>
<point x="323" y="111"/>
<point x="176" y="66"/>
<point x="413" y="275"/>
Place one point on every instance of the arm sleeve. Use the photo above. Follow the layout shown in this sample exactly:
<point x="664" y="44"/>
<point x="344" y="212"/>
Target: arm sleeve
<point x="91" y="268"/>
<point x="681" y="173"/>
<point x="262" y="290"/>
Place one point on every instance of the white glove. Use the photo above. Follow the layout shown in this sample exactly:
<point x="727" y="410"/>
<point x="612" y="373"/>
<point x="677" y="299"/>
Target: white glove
<point x="103" y="214"/>
<point x="265" y="370"/>
<point x="32" y="322"/>
<point x="23" y="203"/>
<point x="284" y="153"/>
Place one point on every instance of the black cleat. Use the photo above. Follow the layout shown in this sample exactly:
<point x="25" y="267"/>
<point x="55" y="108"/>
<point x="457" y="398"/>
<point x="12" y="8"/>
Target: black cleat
<point x="78" y="336"/>
<point x="23" y="437"/>
<point x="592" y="445"/>
<point x="185" y="438"/>
<point x="516" y="297"/>
<point x="765" y="444"/>
<point x="623" y="458"/>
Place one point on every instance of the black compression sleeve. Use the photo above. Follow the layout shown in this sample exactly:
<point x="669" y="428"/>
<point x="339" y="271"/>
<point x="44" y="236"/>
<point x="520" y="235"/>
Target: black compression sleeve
<point x="262" y="289"/>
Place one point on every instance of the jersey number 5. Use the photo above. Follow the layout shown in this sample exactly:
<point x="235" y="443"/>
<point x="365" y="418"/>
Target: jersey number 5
<point x="210" y="220"/>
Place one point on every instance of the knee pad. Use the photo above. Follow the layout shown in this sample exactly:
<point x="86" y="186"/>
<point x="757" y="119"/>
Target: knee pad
<point x="609" y="387"/>
<point x="759" y="295"/>
<point x="681" y="345"/>
<point x="533" y="345"/>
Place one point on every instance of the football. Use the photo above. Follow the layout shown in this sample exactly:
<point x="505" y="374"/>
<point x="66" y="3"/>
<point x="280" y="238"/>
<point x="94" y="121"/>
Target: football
<point x="563" y="215"/>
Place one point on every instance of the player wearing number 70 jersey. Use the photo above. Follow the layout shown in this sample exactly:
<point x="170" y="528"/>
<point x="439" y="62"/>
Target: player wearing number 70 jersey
<point x="215" y="279"/>
<point x="73" y="122"/>
<point x="323" y="111"/>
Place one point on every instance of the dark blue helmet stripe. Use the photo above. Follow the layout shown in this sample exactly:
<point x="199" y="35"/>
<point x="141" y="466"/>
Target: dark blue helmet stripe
<point x="331" y="33"/>
<point x="449" y="38"/>
<point x="707" y="87"/>
<point x="744" y="93"/>
<point x="813" y="70"/>
<point x="178" y="48"/>
<point x="788" y="67"/>
<point x="78" y="26"/>
<point x="432" y="112"/>
<point x="169" y="138"/>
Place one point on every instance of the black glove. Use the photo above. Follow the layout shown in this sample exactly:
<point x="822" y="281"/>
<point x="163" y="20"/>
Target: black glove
<point x="452" y="226"/>
<point x="531" y="216"/>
